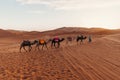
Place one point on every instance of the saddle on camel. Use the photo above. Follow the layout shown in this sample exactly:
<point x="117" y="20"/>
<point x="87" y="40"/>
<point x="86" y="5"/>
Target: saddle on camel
<point x="42" y="41"/>
<point x="56" y="39"/>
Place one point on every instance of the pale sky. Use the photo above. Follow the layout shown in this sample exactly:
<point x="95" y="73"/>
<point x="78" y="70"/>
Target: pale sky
<point x="43" y="15"/>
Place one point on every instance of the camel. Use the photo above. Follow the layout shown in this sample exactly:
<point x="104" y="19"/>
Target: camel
<point x="56" y="40"/>
<point x="69" y="39"/>
<point x="26" y="43"/>
<point x="41" y="42"/>
<point x="81" y="38"/>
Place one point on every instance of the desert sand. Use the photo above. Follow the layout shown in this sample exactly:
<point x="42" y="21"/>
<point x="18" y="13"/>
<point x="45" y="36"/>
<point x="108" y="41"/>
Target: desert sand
<point x="98" y="60"/>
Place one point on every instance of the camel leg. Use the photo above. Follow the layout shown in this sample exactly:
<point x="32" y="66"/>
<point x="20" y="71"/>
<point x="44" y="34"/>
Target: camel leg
<point x="42" y="46"/>
<point x="35" y="47"/>
<point x="30" y="48"/>
<point x="24" y="49"/>
<point x="81" y="41"/>
<point x="51" y="45"/>
<point x="77" y="41"/>
<point x="58" y="45"/>
<point x="20" y="48"/>
<point x="38" y="47"/>
<point x="46" y="46"/>
<point x="55" y="45"/>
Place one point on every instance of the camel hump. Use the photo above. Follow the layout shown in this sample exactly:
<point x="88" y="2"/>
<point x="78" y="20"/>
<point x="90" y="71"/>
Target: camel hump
<point x="42" y="41"/>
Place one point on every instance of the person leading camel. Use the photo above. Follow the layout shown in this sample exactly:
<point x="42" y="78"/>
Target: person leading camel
<point x="89" y="39"/>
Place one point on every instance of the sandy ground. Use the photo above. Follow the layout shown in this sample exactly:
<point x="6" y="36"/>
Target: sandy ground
<point x="99" y="60"/>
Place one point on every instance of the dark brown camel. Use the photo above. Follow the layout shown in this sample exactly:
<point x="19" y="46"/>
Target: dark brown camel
<point x="42" y="43"/>
<point x="69" y="39"/>
<point x="57" y="41"/>
<point x="26" y="43"/>
<point x="81" y="38"/>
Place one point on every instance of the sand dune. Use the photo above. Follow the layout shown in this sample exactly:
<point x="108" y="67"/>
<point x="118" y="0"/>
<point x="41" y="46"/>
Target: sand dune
<point x="99" y="60"/>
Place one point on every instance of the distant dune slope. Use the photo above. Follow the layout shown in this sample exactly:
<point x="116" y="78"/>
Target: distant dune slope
<point x="61" y="31"/>
<point x="4" y="33"/>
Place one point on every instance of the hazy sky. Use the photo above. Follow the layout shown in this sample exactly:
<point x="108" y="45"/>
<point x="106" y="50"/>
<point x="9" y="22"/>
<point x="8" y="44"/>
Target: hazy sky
<point x="50" y="14"/>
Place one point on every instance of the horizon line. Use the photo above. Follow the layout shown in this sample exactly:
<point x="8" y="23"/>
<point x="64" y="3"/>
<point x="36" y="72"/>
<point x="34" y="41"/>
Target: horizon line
<point x="59" y="28"/>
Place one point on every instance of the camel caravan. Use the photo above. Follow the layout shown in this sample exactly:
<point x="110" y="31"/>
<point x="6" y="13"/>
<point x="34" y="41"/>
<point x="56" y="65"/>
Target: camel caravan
<point x="55" y="42"/>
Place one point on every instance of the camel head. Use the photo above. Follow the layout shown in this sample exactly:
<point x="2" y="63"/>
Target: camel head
<point x="62" y="39"/>
<point x="50" y="40"/>
<point x="85" y="37"/>
<point x="34" y="42"/>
